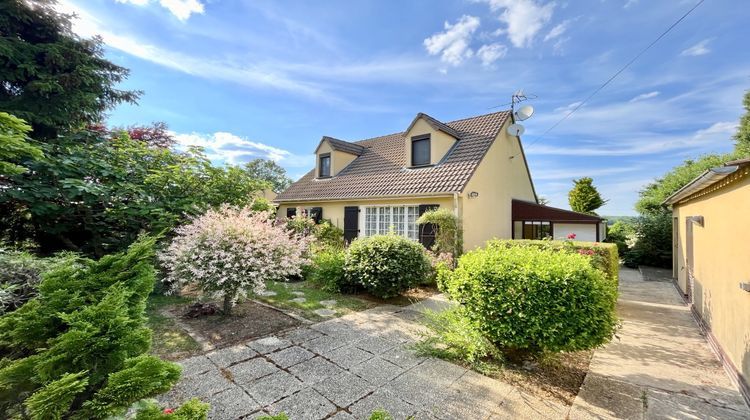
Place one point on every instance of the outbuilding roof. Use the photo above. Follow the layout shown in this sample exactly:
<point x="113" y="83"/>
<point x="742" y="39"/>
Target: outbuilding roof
<point x="530" y="211"/>
<point x="708" y="178"/>
<point x="381" y="168"/>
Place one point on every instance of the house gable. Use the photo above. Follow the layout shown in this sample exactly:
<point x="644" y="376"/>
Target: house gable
<point x="442" y="138"/>
<point x="341" y="153"/>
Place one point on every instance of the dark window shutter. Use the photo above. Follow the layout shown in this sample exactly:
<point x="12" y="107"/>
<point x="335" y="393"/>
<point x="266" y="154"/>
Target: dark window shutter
<point x="316" y="213"/>
<point x="291" y="212"/>
<point x="351" y="223"/>
<point x="427" y="230"/>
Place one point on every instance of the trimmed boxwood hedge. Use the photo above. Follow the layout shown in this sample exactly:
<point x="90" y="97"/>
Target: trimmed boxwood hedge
<point x="605" y="255"/>
<point x="530" y="299"/>
<point x="386" y="265"/>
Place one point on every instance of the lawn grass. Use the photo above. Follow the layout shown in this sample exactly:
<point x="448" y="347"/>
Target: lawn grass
<point x="313" y="295"/>
<point x="169" y="340"/>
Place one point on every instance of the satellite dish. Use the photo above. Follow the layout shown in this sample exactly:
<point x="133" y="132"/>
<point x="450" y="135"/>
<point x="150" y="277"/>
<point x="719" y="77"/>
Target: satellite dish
<point x="516" y="130"/>
<point x="524" y="113"/>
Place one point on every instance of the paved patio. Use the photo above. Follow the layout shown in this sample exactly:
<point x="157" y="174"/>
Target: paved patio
<point x="346" y="368"/>
<point x="661" y="366"/>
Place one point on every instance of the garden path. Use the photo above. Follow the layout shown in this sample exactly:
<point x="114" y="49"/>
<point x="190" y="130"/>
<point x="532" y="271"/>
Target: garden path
<point x="661" y="366"/>
<point x="345" y="368"/>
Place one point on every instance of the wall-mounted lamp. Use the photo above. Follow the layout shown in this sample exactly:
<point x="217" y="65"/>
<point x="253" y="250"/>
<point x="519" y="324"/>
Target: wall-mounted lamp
<point x="473" y="194"/>
<point x="745" y="286"/>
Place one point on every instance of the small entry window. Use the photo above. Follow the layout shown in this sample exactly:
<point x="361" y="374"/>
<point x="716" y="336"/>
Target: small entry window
<point x="420" y="150"/>
<point x="324" y="166"/>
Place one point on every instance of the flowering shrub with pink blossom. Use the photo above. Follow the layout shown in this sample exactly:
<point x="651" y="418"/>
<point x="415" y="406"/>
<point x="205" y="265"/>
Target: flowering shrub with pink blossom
<point x="228" y="251"/>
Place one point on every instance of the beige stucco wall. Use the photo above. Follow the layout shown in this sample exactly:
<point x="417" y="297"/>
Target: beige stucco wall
<point x="583" y="232"/>
<point x="498" y="180"/>
<point x="339" y="159"/>
<point x="334" y="210"/>
<point x="440" y="142"/>
<point x="721" y="261"/>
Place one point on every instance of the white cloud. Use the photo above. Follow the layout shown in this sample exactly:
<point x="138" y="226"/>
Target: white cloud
<point x="235" y="150"/>
<point x="698" y="49"/>
<point x="181" y="9"/>
<point x="453" y="43"/>
<point x="645" y="143"/>
<point x="629" y="3"/>
<point x="523" y="19"/>
<point x="491" y="52"/>
<point x="567" y="108"/>
<point x="135" y="2"/>
<point x="557" y="30"/>
<point x="645" y="96"/>
<point x="87" y="25"/>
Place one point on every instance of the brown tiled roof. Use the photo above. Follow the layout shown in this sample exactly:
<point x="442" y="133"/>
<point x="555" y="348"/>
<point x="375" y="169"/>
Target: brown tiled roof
<point x="344" y="146"/>
<point x="437" y="125"/>
<point x="380" y="170"/>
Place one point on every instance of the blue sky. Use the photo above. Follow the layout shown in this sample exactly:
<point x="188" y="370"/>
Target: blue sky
<point x="259" y="78"/>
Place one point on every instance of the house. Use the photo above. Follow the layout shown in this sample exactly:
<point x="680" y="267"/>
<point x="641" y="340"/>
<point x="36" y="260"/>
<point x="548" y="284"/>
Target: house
<point x="712" y="259"/>
<point x="471" y="166"/>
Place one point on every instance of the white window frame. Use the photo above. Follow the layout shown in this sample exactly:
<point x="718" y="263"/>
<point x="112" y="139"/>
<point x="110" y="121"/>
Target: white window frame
<point x="381" y="229"/>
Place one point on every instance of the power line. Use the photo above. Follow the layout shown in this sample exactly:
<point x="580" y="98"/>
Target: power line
<point x="637" y="56"/>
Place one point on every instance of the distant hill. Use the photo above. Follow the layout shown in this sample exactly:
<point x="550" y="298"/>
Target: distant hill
<point x="612" y="219"/>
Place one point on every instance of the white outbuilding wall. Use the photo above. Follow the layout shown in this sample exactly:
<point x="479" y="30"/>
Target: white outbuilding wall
<point x="583" y="231"/>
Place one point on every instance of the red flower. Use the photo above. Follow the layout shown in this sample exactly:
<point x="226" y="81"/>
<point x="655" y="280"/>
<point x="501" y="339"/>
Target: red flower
<point x="571" y="236"/>
<point x="168" y="410"/>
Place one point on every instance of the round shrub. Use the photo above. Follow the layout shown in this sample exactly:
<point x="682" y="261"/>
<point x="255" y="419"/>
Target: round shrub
<point x="327" y="271"/>
<point x="386" y="265"/>
<point x="529" y="300"/>
<point x="230" y="251"/>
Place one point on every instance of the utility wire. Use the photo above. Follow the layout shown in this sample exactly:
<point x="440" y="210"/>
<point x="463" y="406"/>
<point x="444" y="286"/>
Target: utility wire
<point x="643" y="51"/>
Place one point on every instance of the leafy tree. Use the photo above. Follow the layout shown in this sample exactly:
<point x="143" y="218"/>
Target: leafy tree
<point x="94" y="192"/>
<point x="542" y="200"/>
<point x="79" y="349"/>
<point x="653" y="195"/>
<point x="742" y="137"/>
<point x="584" y="197"/>
<point x="51" y="77"/>
<point x="15" y="145"/>
<point x="268" y="170"/>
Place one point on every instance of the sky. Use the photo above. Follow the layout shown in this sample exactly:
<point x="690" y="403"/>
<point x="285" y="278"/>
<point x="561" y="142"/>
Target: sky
<point x="268" y="79"/>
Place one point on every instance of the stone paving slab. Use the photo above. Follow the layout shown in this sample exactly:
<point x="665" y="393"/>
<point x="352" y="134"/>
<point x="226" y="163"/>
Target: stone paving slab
<point x="290" y="356"/>
<point x="247" y="372"/>
<point x="343" y="389"/>
<point x="307" y="404"/>
<point x="315" y="370"/>
<point x="231" y="355"/>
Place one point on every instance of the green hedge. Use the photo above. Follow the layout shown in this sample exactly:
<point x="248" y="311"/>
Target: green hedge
<point x="604" y="257"/>
<point x="386" y="265"/>
<point x="535" y="299"/>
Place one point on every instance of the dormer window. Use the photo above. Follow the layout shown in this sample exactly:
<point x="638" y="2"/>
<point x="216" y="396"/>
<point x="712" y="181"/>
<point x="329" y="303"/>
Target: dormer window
<point x="420" y="150"/>
<point x="324" y="166"/>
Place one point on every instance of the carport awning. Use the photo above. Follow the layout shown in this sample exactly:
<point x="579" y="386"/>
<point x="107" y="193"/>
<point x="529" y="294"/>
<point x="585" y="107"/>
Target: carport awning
<point x="526" y="210"/>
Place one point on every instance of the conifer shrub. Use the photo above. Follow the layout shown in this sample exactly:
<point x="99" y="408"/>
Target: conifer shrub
<point x="20" y="274"/>
<point x="192" y="409"/>
<point x="78" y="349"/>
<point x="529" y="300"/>
<point x="386" y="265"/>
